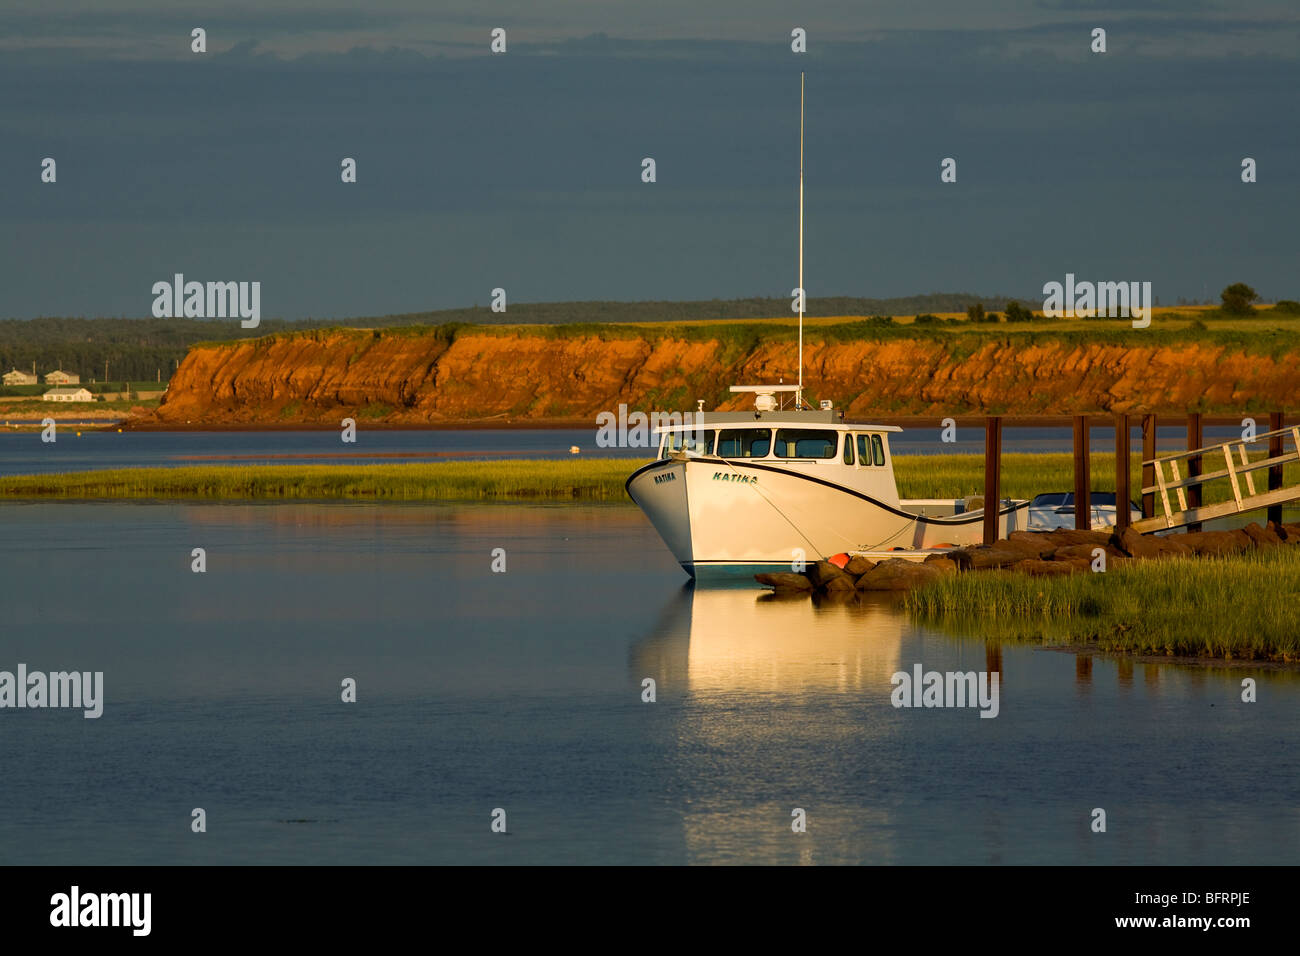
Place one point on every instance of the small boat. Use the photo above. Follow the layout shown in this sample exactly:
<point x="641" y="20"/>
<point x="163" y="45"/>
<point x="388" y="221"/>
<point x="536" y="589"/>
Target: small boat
<point x="1055" y="509"/>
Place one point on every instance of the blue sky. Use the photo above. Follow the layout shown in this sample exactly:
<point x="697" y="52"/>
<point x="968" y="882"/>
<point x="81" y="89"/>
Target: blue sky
<point x="522" y="170"/>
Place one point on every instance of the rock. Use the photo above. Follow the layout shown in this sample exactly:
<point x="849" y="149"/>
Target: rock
<point x="1035" y="543"/>
<point x="1085" y="551"/>
<point x="1046" y="568"/>
<point x="960" y="557"/>
<point x="897" y="574"/>
<point x="785" y="582"/>
<point x="1061" y="537"/>
<point x="1028" y="536"/>
<point x="983" y="558"/>
<point x="1262" y="537"/>
<point x="823" y="572"/>
<point x="944" y="564"/>
<point x="1148" y="546"/>
<point x="842" y="583"/>
<point x="1217" y="542"/>
<point x="858" y="566"/>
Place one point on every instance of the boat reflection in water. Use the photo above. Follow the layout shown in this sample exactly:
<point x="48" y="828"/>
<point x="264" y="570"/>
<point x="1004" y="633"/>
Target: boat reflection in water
<point x="767" y="705"/>
<point x="731" y="641"/>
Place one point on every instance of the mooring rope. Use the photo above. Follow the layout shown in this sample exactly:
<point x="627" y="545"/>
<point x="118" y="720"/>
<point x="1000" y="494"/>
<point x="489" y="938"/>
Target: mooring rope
<point x="775" y="506"/>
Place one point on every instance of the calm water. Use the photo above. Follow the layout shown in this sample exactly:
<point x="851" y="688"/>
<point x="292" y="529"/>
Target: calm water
<point x="522" y="691"/>
<point x="24" y="453"/>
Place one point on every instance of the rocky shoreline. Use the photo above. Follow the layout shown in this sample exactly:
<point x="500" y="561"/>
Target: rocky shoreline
<point x="1042" y="553"/>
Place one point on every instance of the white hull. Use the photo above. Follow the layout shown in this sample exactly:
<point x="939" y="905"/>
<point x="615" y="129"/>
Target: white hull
<point x="729" y="515"/>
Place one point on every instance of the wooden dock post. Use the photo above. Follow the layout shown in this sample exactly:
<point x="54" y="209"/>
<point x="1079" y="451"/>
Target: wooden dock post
<point x="993" y="659"/>
<point x="1148" y="471"/>
<point x="1122" y="475"/>
<point x="1195" y="439"/>
<point x="992" y="476"/>
<point x="1276" y="422"/>
<point x="1082" y="499"/>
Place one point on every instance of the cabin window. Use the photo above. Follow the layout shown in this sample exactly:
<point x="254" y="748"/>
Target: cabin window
<point x="805" y="443"/>
<point x="744" y="442"/>
<point x="696" y="442"/>
<point x="848" y="449"/>
<point x="871" y="450"/>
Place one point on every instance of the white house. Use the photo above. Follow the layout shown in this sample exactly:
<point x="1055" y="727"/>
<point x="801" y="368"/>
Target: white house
<point x="61" y="377"/>
<point x="68" y="395"/>
<point x="19" y="378"/>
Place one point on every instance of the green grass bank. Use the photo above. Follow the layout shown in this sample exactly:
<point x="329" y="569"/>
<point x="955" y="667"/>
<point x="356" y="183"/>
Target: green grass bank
<point x="1228" y="608"/>
<point x="933" y="476"/>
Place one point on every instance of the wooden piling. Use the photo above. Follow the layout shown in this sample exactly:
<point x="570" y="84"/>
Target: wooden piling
<point x="1276" y="422"/>
<point x="1148" y="471"/>
<point x="993" y="658"/>
<point x="1083" y="669"/>
<point x="1122" y="475"/>
<point x="1195" y="439"/>
<point x="992" y="476"/>
<point x="1082" y="499"/>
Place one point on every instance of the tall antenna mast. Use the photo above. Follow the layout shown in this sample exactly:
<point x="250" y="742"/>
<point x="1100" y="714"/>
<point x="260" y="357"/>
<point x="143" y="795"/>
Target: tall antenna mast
<point x="798" y="395"/>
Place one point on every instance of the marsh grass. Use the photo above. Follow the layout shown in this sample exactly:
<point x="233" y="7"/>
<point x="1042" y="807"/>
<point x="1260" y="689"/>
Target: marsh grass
<point x="600" y="480"/>
<point x="919" y="476"/>
<point x="1025" y="475"/>
<point x="1228" y="608"/>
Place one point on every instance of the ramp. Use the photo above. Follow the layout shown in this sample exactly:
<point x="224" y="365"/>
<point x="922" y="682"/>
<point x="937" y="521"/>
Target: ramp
<point x="1238" y="468"/>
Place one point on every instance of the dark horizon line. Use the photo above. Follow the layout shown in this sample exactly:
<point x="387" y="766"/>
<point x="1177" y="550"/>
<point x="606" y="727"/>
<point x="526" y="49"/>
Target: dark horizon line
<point x="881" y="303"/>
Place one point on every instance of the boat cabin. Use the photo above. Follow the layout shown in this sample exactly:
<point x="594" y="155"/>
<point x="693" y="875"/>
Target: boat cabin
<point x="818" y="444"/>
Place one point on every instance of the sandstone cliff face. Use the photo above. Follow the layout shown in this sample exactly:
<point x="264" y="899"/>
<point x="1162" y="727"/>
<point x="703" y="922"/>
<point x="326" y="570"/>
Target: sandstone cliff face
<point x="403" y="377"/>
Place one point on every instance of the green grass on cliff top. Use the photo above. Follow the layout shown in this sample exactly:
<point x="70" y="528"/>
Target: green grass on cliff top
<point x="1264" y="332"/>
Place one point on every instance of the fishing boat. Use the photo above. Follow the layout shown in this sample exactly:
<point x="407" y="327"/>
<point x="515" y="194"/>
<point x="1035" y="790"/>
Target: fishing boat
<point x="738" y="493"/>
<point x="743" y="492"/>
